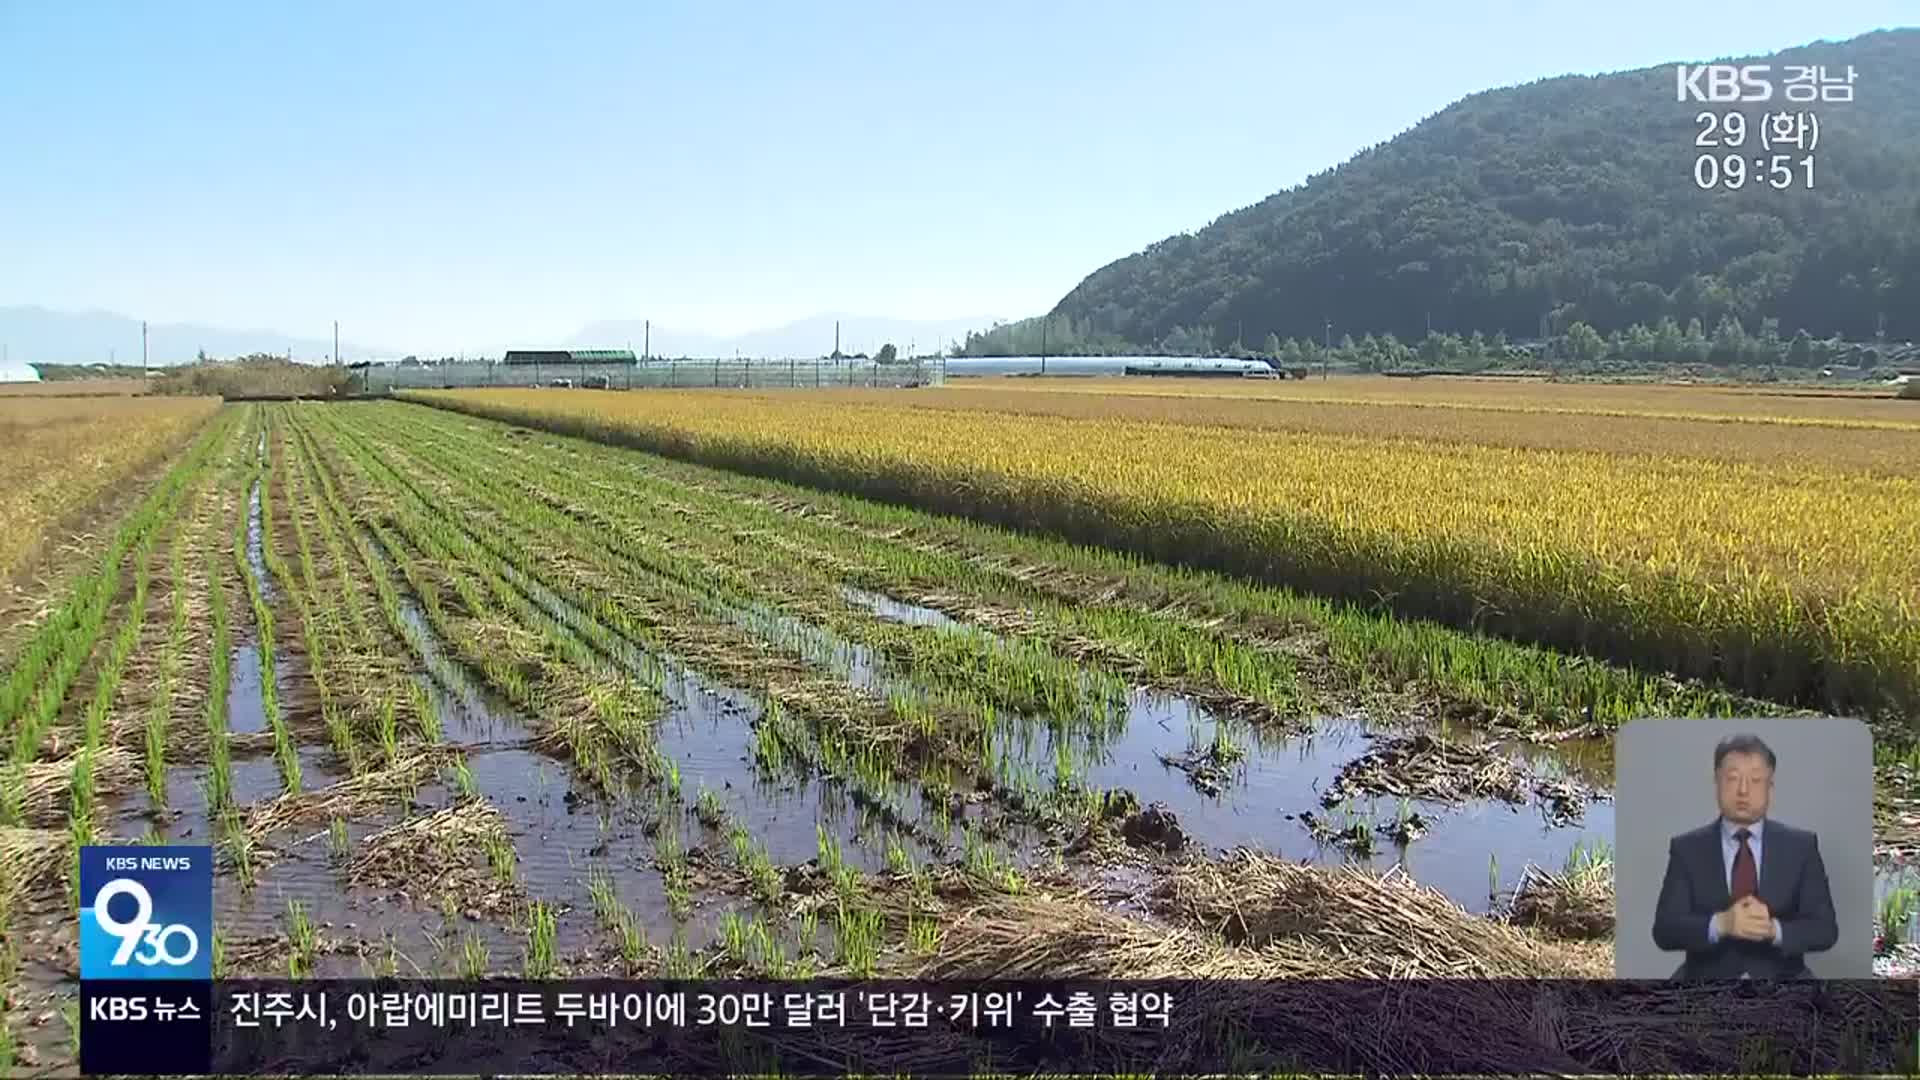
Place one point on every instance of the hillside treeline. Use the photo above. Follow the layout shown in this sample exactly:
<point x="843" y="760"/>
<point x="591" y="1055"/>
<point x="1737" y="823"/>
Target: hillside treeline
<point x="1570" y="200"/>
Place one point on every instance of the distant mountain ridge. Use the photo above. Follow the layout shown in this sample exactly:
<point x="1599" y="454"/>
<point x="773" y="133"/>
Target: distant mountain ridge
<point x="1567" y="199"/>
<point x="37" y="334"/>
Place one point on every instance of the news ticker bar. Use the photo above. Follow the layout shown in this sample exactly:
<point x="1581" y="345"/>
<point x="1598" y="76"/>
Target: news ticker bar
<point x="829" y="1028"/>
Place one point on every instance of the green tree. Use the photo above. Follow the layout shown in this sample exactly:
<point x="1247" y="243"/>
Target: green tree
<point x="887" y="354"/>
<point x="1729" y="341"/>
<point x="1584" y="345"/>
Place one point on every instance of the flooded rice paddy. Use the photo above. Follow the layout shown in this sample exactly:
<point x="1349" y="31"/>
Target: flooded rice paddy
<point x="463" y="698"/>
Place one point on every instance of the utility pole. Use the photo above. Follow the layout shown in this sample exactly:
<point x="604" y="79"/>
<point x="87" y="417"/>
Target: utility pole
<point x="646" y="343"/>
<point x="143" y="348"/>
<point x="1043" y="346"/>
<point x="836" y="339"/>
<point x="336" y="343"/>
<point x="1326" y="353"/>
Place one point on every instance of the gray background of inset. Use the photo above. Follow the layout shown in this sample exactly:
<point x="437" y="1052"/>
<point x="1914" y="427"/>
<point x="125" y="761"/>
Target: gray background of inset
<point x="1663" y="777"/>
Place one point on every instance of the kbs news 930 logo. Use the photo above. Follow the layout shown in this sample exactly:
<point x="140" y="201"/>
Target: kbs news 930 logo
<point x="146" y="912"/>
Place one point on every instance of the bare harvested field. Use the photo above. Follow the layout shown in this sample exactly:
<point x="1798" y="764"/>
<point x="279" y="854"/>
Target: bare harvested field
<point x="63" y="454"/>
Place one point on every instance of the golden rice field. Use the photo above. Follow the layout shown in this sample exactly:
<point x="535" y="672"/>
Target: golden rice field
<point x="1800" y="443"/>
<point x="1874" y="407"/>
<point x="63" y="454"/>
<point x="1794" y="583"/>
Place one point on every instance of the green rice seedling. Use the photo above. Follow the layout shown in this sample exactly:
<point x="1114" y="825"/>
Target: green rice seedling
<point x="1226" y="749"/>
<point x="500" y="857"/>
<point x="832" y="863"/>
<point x="768" y="751"/>
<point x="899" y="861"/>
<point x="607" y="908"/>
<point x="13" y="793"/>
<point x="6" y="1048"/>
<point x="677" y="962"/>
<point x="1493" y="876"/>
<point x="239" y="845"/>
<point x="339" y="845"/>
<point x="218" y="952"/>
<point x="808" y="931"/>
<point x="474" y="960"/>
<point x="540" y="962"/>
<point x="708" y="810"/>
<point x="302" y="940"/>
<point x="763" y="877"/>
<point x="1897" y="908"/>
<point x="923" y="935"/>
<point x="81" y="790"/>
<point x="633" y="943"/>
<point x="219" y="779"/>
<point x="857" y="933"/>
<point x="389" y="730"/>
<point x="340" y="734"/>
<point x="733" y="937"/>
<point x="1589" y="854"/>
<point x="287" y="757"/>
<point x="156" y="751"/>
<point x="977" y="857"/>
<point x="679" y="893"/>
<point x="70" y="1015"/>
<point x="424" y="712"/>
<point x="463" y="781"/>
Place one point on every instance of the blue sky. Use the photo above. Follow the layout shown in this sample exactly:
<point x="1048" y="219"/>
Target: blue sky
<point x="448" y="175"/>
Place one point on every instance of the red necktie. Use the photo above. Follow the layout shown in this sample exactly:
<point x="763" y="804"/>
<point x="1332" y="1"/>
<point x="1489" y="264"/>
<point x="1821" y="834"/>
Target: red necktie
<point x="1746" y="876"/>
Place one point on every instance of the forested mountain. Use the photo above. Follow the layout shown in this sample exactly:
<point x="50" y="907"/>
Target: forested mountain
<point x="1568" y="200"/>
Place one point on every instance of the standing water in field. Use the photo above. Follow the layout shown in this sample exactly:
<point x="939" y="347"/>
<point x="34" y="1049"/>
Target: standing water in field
<point x="469" y="711"/>
<point x="246" y="697"/>
<point x="1229" y="785"/>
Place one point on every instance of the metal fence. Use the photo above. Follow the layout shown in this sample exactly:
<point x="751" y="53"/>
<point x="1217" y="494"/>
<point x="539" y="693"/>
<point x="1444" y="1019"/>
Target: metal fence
<point x="647" y="374"/>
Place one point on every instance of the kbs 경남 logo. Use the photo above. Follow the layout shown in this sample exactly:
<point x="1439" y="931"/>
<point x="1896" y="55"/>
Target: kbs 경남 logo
<point x="146" y="912"/>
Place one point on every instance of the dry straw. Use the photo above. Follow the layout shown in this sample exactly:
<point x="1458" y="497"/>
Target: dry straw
<point x="1574" y="904"/>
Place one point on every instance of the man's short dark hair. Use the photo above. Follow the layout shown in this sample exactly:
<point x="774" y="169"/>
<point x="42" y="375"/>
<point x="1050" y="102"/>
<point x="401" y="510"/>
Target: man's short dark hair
<point x="1743" y="744"/>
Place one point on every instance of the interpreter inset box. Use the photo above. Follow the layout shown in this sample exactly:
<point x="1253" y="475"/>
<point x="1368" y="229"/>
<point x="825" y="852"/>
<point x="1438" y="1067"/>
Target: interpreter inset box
<point x="1743" y="848"/>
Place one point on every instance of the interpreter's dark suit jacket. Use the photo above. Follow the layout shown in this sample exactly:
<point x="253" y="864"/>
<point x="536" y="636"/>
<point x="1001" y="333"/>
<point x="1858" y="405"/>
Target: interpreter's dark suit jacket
<point x="1793" y="885"/>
